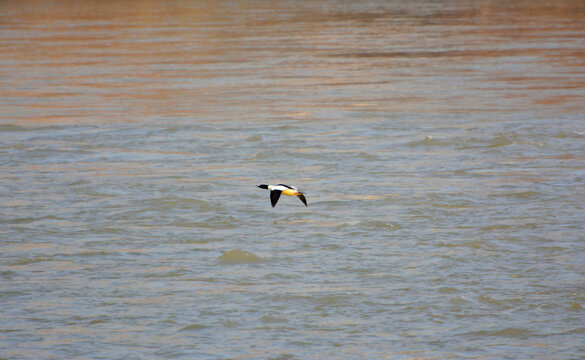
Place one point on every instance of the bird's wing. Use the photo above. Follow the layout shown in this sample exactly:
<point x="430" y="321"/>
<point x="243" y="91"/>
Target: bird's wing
<point x="274" y="196"/>
<point x="302" y="197"/>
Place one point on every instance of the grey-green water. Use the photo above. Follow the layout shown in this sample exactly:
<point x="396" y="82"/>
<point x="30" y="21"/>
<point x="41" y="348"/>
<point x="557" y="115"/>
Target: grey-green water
<point x="441" y="147"/>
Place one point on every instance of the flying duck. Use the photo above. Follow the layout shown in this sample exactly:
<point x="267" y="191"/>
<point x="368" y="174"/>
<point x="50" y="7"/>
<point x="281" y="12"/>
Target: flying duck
<point x="276" y="190"/>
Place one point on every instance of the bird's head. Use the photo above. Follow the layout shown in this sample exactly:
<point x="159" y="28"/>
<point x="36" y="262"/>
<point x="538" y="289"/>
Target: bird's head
<point x="263" y="186"/>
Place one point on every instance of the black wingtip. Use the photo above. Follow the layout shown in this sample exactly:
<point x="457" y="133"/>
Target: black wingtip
<point x="303" y="199"/>
<point x="274" y="196"/>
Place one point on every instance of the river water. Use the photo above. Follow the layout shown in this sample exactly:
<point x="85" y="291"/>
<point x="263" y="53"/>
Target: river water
<point x="440" y="145"/>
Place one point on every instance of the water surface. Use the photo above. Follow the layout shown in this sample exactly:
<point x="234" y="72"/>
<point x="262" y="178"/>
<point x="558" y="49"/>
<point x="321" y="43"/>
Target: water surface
<point x="440" y="146"/>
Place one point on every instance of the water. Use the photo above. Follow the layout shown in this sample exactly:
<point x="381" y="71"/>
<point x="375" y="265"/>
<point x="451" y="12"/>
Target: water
<point x="440" y="146"/>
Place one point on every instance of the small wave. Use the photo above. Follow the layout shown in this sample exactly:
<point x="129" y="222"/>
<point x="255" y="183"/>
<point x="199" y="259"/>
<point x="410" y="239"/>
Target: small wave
<point x="489" y="300"/>
<point x="262" y="155"/>
<point x="580" y="330"/>
<point x="273" y="319"/>
<point x="280" y="128"/>
<point x="472" y="244"/>
<point x="501" y="140"/>
<point x="12" y="128"/>
<point x="18" y="128"/>
<point x="374" y="225"/>
<point x="31" y="260"/>
<point x="512" y="333"/>
<point x="570" y="134"/>
<point x="524" y="194"/>
<point x="30" y="219"/>
<point x="575" y="306"/>
<point x="78" y="182"/>
<point x="235" y="257"/>
<point x="428" y="141"/>
<point x="219" y="222"/>
<point x="194" y="327"/>
<point x="254" y="138"/>
<point x="517" y="333"/>
<point x="174" y="203"/>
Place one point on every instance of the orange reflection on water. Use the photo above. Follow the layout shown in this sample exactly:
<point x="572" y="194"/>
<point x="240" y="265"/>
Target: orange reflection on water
<point x="78" y="61"/>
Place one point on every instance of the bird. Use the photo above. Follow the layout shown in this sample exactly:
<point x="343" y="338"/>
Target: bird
<point x="276" y="190"/>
